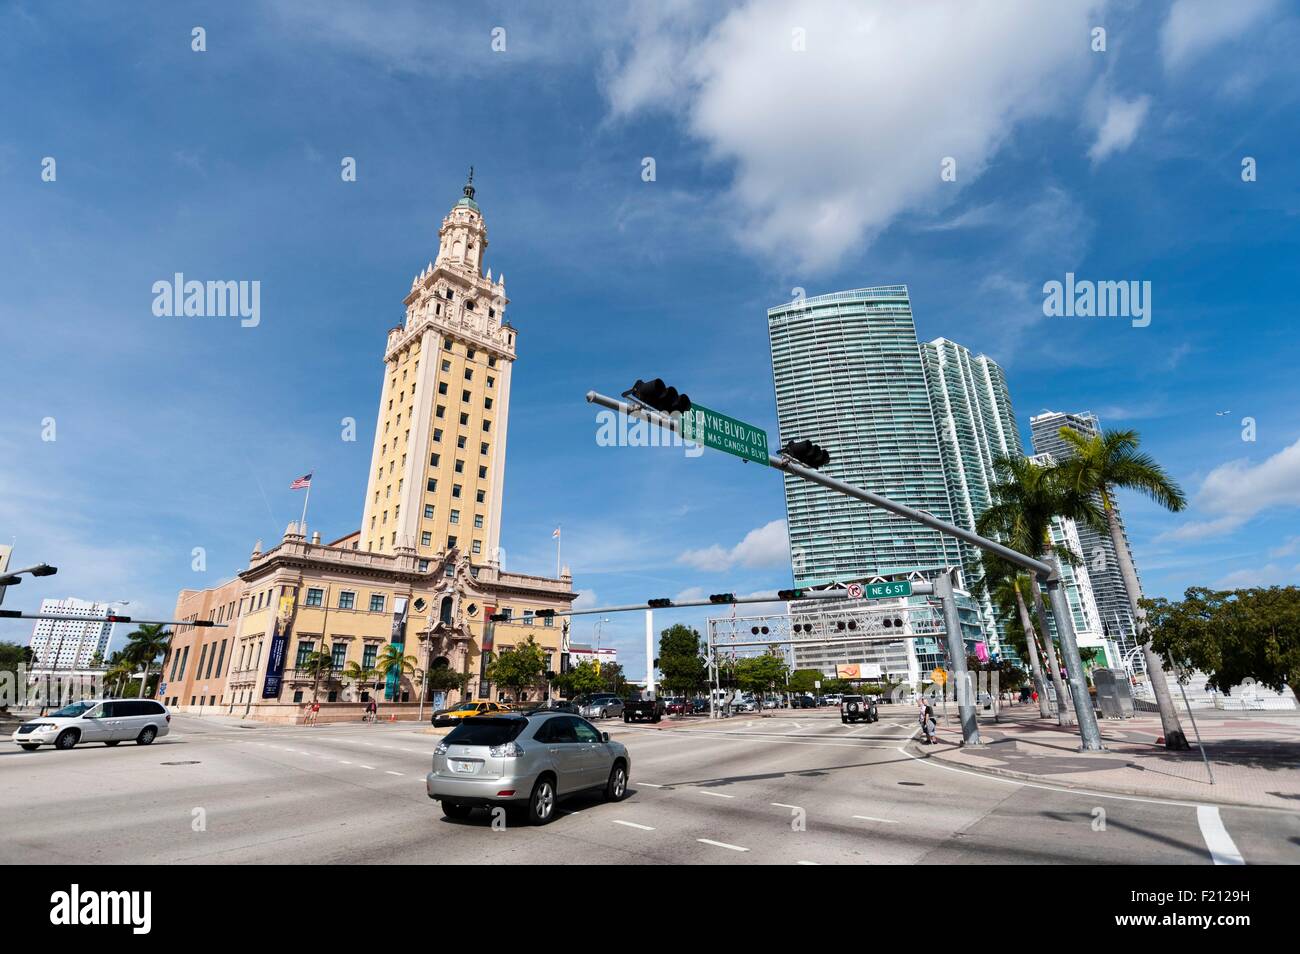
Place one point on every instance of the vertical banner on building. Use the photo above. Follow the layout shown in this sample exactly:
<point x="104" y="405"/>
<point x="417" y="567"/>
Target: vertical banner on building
<point x="485" y="649"/>
<point x="397" y="636"/>
<point x="280" y="631"/>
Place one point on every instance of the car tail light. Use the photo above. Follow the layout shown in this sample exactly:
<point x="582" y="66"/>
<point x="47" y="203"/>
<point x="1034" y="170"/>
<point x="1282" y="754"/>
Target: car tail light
<point x="441" y="749"/>
<point x="505" y="793"/>
<point x="508" y="751"/>
<point x="168" y="717"/>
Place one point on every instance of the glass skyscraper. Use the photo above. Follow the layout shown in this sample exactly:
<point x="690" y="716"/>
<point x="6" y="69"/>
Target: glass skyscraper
<point x="849" y="377"/>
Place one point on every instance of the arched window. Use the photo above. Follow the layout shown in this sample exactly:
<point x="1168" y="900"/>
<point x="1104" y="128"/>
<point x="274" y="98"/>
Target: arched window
<point x="444" y="612"/>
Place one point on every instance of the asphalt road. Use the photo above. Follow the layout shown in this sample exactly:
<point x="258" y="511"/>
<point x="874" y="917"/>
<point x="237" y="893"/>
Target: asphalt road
<point x="801" y="789"/>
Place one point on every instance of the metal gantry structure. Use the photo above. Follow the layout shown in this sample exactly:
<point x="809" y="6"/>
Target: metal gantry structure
<point x="1047" y="573"/>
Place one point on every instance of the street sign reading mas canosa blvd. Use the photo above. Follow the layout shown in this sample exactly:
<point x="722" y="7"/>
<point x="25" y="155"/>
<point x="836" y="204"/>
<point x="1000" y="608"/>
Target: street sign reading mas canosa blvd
<point x="703" y="426"/>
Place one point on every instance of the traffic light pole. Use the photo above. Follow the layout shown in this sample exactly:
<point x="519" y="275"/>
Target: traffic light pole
<point x="1049" y="574"/>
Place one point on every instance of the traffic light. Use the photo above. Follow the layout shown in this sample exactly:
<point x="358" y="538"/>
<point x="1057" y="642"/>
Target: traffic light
<point x="545" y="613"/>
<point x="789" y="594"/>
<point x="722" y="598"/>
<point x="807" y="453"/>
<point x="661" y="397"/>
<point x="659" y="603"/>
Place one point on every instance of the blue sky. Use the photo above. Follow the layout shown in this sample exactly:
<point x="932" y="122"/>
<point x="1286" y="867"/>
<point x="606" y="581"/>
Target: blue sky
<point x="776" y="168"/>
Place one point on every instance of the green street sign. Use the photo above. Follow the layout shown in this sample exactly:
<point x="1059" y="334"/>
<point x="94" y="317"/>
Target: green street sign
<point x="703" y="426"/>
<point x="880" y="591"/>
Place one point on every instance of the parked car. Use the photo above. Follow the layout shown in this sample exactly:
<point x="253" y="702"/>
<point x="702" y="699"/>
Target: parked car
<point x="602" y="707"/>
<point x="679" y="706"/>
<point x="466" y="709"/>
<point x="858" y="709"/>
<point x="643" y="710"/>
<point x="801" y="702"/>
<point x="110" y="721"/>
<point x="744" y="705"/>
<point x="769" y="703"/>
<point x="700" y="705"/>
<point x="525" y="761"/>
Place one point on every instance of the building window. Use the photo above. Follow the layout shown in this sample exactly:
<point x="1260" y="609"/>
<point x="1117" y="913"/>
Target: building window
<point x="469" y="374"/>
<point x="528" y="617"/>
<point x="478" y="521"/>
<point x="460" y="467"/>
<point x="440" y="412"/>
<point x="433" y="460"/>
<point x="483" y="447"/>
<point x="548" y="620"/>
<point x="428" y="511"/>
<point x="460" y="442"/>
<point x="424" y="566"/>
<point x="464" y="419"/>
<point x="492" y="382"/>
<point x="477" y="547"/>
<point x="455" y="490"/>
<point x="305" y="647"/>
<point x="487" y="425"/>
<point x="338" y="655"/>
<point x="442" y="387"/>
<point x="315" y="596"/>
<point x="451" y="543"/>
<point x="376" y="602"/>
<point x="426" y="539"/>
<point x="432" y="485"/>
<point x="479" y="495"/>
<point x="465" y="396"/>
<point x="492" y="361"/>
<point x="437" y="435"/>
<point x="347" y="599"/>
<point x="455" y="516"/>
<point x="369" y="655"/>
<point x="487" y="403"/>
<point x="482" y="473"/>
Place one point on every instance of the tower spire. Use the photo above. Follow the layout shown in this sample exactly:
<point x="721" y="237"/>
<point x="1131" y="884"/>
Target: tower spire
<point x="469" y="185"/>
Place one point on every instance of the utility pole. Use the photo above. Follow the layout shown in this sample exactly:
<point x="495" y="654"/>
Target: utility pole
<point x="1048" y="573"/>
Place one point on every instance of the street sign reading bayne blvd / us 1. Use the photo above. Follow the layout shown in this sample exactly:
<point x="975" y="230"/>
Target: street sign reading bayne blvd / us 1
<point x="703" y="426"/>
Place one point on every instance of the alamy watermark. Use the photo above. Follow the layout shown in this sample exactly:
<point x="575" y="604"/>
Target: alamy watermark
<point x="179" y="298"/>
<point x="616" y="429"/>
<point x="1084" y="298"/>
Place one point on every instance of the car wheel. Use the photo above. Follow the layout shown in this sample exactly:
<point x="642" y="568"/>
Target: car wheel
<point x="30" y="746"/>
<point x="626" y="717"/>
<point x="541" y="803"/>
<point x="655" y="718"/>
<point x="604" y="713"/>
<point x="67" y="739"/>
<point x="455" y="810"/>
<point x="146" y="736"/>
<point x="616" y="788"/>
<point x="845" y="721"/>
<point x="114" y="742"/>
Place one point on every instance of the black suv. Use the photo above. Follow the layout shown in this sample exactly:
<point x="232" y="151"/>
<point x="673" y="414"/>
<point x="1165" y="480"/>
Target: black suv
<point x="858" y="709"/>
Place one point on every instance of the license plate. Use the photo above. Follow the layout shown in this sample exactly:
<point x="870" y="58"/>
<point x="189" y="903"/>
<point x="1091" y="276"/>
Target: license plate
<point x="467" y="767"/>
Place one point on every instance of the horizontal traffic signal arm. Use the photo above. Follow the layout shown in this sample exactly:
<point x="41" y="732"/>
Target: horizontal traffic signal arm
<point x="659" y="396"/>
<point x="200" y="623"/>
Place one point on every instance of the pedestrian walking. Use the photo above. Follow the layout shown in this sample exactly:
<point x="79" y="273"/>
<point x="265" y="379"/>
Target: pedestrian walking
<point x="312" y="713"/>
<point x="372" y="711"/>
<point x="926" y="718"/>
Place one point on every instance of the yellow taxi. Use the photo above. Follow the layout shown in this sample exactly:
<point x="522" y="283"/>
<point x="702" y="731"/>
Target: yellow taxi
<point x="470" y="707"/>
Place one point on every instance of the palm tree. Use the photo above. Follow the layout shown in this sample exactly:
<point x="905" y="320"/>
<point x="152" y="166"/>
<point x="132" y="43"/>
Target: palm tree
<point x="118" y="673"/>
<point x="1003" y="583"/>
<point x="393" y="660"/>
<point x="144" y="645"/>
<point x="359" y="675"/>
<point x="1026" y="497"/>
<point x="316" y="664"/>
<point x="1100" y="465"/>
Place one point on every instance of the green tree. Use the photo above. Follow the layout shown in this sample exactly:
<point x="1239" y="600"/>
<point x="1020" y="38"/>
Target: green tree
<point x="1232" y="635"/>
<point x="393" y="661"/>
<point x="446" y="679"/>
<point x="1098" y="467"/>
<point x="805" y="680"/>
<point x="144" y="645"/>
<point x="360" y="676"/>
<point x="518" y="668"/>
<point x="317" y="664"/>
<point x="761" y="674"/>
<point x="1005" y="586"/>
<point x="681" y="667"/>
<point x="581" y="680"/>
<point x="613" y="680"/>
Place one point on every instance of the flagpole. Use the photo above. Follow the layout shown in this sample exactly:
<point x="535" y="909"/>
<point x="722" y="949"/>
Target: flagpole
<point x="557" y="552"/>
<point x="302" y="524"/>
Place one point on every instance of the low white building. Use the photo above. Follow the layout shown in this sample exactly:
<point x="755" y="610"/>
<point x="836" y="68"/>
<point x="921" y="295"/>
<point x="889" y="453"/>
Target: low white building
<point x="74" y="643"/>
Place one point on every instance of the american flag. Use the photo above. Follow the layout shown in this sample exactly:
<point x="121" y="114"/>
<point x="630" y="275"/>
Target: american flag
<point x="301" y="483"/>
<point x="556" y="533"/>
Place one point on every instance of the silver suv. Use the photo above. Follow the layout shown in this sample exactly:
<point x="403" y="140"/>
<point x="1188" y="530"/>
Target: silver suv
<point x="517" y="760"/>
<point x="97" y="720"/>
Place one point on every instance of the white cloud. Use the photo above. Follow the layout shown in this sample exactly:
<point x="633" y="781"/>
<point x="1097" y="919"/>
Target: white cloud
<point x="830" y="145"/>
<point x="1268" y="575"/>
<point x="1197" y="26"/>
<point x="1119" y="126"/>
<point x="766" y="546"/>
<point x="586" y="599"/>
<point x="1235" y="492"/>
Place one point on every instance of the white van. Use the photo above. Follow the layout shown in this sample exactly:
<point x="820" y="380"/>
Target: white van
<point x="96" y="720"/>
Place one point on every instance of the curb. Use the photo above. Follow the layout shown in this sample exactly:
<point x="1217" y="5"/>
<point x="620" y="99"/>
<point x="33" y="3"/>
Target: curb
<point x="918" y="751"/>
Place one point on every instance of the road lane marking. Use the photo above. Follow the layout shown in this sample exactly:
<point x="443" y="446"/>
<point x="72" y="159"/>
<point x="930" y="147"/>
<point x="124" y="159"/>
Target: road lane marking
<point x="619" y="821"/>
<point x="717" y="794"/>
<point x="806" y="862"/>
<point x="343" y="762"/>
<point x="1223" y="850"/>
<point x="886" y="821"/>
<point x="650" y="785"/>
<point x="720" y="844"/>
<point x="391" y="772"/>
<point x="784" y="805"/>
<point x="370" y="767"/>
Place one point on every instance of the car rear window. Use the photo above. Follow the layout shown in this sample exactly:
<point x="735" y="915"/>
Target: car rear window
<point x="493" y="731"/>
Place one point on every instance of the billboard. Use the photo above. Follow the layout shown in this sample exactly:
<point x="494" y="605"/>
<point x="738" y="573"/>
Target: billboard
<point x="279" y="645"/>
<point x="857" y="670"/>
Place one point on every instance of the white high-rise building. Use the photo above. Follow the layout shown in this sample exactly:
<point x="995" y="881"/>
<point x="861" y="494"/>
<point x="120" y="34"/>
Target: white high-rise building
<point x="71" y="644"/>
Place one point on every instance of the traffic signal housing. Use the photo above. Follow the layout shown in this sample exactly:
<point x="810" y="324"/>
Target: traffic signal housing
<point x="722" y="598"/>
<point x="655" y="394"/>
<point x="807" y="453"/>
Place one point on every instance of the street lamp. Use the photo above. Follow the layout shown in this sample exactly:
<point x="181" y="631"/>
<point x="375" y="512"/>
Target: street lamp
<point x="14" y="577"/>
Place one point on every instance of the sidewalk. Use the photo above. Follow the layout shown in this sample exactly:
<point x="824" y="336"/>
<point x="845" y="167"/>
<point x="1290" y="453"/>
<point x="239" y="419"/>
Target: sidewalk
<point x="1255" y="756"/>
